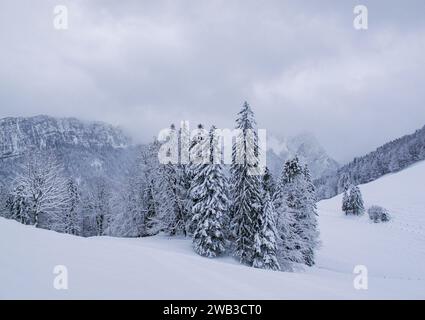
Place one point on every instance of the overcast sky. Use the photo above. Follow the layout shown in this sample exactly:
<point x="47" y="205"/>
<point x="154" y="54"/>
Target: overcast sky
<point x="144" y="64"/>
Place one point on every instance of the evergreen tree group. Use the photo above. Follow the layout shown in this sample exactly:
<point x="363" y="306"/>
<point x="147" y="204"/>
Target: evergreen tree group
<point x="239" y="209"/>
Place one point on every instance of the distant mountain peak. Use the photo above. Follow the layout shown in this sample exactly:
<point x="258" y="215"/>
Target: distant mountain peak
<point x="306" y="147"/>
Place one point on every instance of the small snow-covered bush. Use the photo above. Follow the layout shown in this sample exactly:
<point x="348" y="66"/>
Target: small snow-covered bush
<point x="378" y="214"/>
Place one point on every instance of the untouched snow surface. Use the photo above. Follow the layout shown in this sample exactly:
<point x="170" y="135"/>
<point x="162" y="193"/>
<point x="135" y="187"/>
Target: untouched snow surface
<point x="166" y="268"/>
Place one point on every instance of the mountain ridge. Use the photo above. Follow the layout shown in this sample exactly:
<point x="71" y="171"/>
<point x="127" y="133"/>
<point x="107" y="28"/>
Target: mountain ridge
<point x="17" y="134"/>
<point x="87" y="149"/>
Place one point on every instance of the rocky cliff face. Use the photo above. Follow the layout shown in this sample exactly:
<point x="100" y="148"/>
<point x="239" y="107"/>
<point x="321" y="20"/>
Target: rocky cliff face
<point x="17" y="135"/>
<point x="87" y="150"/>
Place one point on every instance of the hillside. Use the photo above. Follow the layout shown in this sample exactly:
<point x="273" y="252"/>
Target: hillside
<point x="390" y="157"/>
<point x="86" y="149"/>
<point x="393" y="250"/>
<point x="167" y="268"/>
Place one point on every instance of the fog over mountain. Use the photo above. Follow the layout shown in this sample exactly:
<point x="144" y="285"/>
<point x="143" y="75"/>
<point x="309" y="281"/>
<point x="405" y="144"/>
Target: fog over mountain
<point x="307" y="148"/>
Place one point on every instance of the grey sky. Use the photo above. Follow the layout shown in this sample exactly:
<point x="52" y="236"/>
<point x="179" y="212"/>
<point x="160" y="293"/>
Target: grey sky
<point x="145" y="64"/>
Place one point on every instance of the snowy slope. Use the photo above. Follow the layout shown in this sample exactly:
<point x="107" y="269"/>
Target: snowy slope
<point x="164" y="268"/>
<point x="394" y="250"/>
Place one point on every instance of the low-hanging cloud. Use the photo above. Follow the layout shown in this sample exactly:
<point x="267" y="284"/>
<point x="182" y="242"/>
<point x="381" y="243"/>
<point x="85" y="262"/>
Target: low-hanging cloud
<point x="145" y="64"/>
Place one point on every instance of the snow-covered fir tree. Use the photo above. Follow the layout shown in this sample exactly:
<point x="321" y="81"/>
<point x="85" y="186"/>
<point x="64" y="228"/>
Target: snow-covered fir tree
<point x="309" y="219"/>
<point x="289" y="240"/>
<point x="18" y="206"/>
<point x="151" y="193"/>
<point x="175" y="190"/>
<point x="151" y="210"/>
<point x="352" y="201"/>
<point x="310" y="185"/>
<point x="265" y="239"/>
<point x="185" y="178"/>
<point x="356" y="201"/>
<point x="172" y="193"/>
<point x="4" y="200"/>
<point x="346" y="207"/>
<point x="183" y="175"/>
<point x="246" y="186"/>
<point x="197" y="151"/>
<point x="297" y="217"/>
<point x="72" y="215"/>
<point x="98" y="207"/>
<point x="209" y="188"/>
<point x="166" y="211"/>
<point x="269" y="183"/>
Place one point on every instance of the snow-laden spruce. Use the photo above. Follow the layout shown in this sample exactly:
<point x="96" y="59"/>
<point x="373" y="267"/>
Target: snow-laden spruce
<point x="197" y="148"/>
<point x="309" y="219"/>
<point x="4" y="199"/>
<point x="297" y="217"/>
<point x="288" y="238"/>
<point x="269" y="183"/>
<point x="172" y="203"/>
<point x="345" y="201"/>
<point x="172" y="194"/>
<point x="151" y="194"/>
<point x="17" y="206"/>
<point x="99" y="205"/>
<point x="72" y="218"/>
<point x="246" y="187"/>
<point x="352" y="201"/>
<point x="209" y="188"/>
<point x="265" y="239"/>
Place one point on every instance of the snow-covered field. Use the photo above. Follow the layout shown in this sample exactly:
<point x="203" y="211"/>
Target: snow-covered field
<point x="166" y="268"/>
